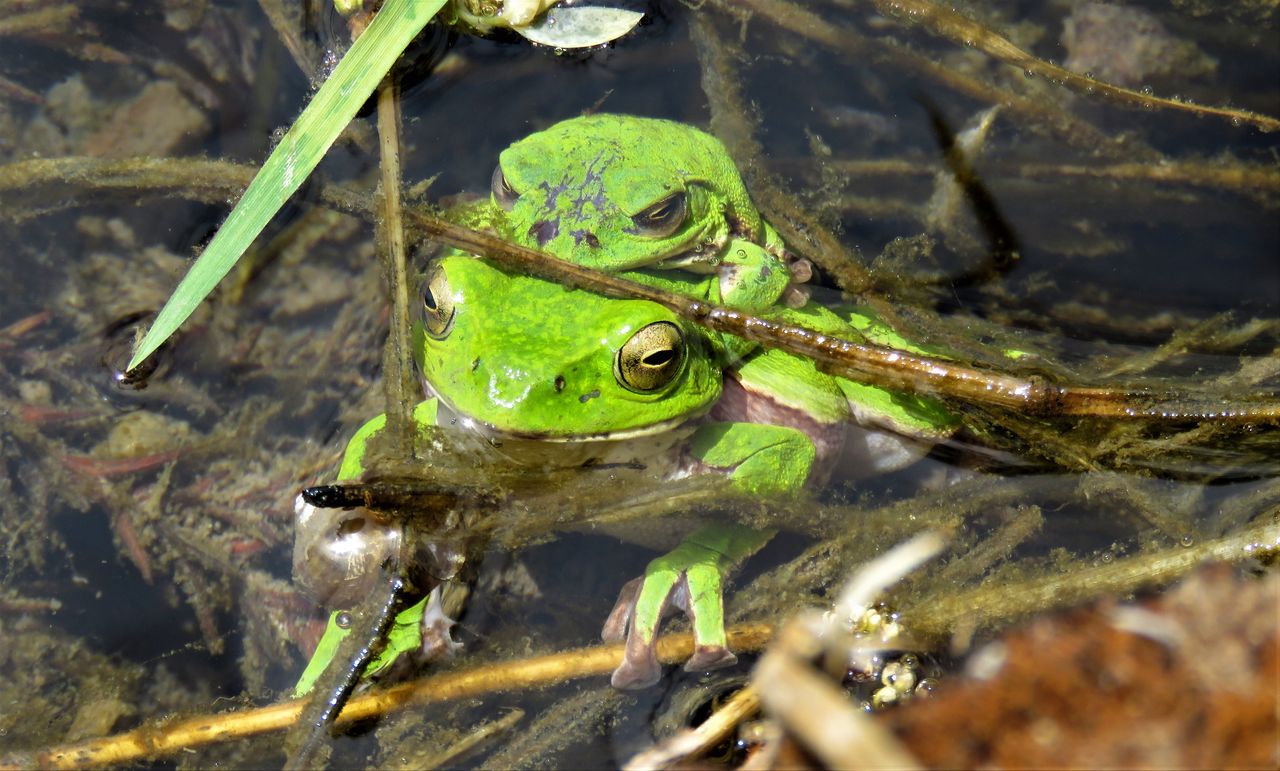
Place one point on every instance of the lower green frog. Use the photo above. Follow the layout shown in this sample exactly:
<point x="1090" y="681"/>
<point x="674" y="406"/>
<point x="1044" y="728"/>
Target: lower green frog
<point x="588" y="380"/>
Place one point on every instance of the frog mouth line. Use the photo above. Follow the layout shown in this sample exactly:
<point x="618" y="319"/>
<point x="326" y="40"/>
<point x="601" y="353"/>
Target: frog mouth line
<point x="447" y="414"/>
<point x="702" y="249"/>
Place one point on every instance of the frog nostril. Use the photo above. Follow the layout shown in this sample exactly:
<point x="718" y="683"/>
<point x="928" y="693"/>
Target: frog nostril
<point x="559" y="383"/>
<point x="586" y="236"/>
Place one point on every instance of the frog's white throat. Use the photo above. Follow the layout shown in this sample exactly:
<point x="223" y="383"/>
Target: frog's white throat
<point x="655" y="449"/>
<point x="449" y="417"/>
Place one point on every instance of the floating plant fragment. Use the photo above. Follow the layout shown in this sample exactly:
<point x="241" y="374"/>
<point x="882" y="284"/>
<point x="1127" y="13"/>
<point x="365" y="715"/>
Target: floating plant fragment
<point x="580" y="26"/>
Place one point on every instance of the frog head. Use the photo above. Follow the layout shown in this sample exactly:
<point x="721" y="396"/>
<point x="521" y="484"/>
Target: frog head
<point x="617" y="192"/>
<point x="530" y="358"/>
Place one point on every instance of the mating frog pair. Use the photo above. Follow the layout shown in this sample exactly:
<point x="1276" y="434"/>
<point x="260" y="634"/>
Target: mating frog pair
<point x="596" y="380"/>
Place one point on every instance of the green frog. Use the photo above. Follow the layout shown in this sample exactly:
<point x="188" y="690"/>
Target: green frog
<point x="620" y="193"/>
<point x="614" y="381"/>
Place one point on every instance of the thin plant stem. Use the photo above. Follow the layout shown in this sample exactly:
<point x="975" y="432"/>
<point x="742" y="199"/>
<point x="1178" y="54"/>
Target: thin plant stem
<point x="397" y="361"/>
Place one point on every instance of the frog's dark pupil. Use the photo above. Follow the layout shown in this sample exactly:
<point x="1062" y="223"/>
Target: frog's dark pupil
<point x="659" y="358"/>
<point x="429" y="300"/>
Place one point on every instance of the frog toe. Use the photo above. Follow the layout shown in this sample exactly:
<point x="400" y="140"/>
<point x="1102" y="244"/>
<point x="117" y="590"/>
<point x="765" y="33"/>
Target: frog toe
<point x="698" y="596"/>
<point x="615" y="626"/>
<point x="639" y="667"/>
<point x="436" y="630"/>
<point x="708" y="657"/>
<point x="641" y="605"/>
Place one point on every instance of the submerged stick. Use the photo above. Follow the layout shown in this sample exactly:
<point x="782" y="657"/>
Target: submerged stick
<point x="156" y="741"/>
<point x="797" y="18"/>
<point x="333" y="691"/>
<point x="965" y="31"/>
<point x="934" y="616"/>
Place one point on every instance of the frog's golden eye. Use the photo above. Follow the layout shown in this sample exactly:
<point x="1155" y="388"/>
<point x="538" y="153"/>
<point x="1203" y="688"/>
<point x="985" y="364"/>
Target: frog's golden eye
<point x="652" y="358"/>
<point x="503" y="193"/>
<point x="437" y="306"/>
<point x="664" y="217"/>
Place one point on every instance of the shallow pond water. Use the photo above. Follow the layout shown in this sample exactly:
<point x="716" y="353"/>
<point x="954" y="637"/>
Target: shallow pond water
<point x="146" y="534"/>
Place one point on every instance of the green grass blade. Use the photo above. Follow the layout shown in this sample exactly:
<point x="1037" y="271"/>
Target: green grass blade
<point x="292" y="161"/>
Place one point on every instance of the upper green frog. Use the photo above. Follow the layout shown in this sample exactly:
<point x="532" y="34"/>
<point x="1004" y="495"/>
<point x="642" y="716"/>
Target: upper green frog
<point x="619" y="192"/>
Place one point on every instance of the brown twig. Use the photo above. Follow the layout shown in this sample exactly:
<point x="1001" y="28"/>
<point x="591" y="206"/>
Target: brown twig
<point x="876" y="365"/>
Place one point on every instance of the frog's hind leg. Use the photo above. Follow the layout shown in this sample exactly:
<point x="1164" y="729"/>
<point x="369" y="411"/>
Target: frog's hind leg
<point x="689" y="579"/>
<point x="761" y="460"/>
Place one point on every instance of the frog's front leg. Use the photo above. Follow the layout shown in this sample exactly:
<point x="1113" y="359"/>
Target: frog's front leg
<point x="761" y="460"/>
<point x="334" y="558"/>
<point x="751" y="277"/>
